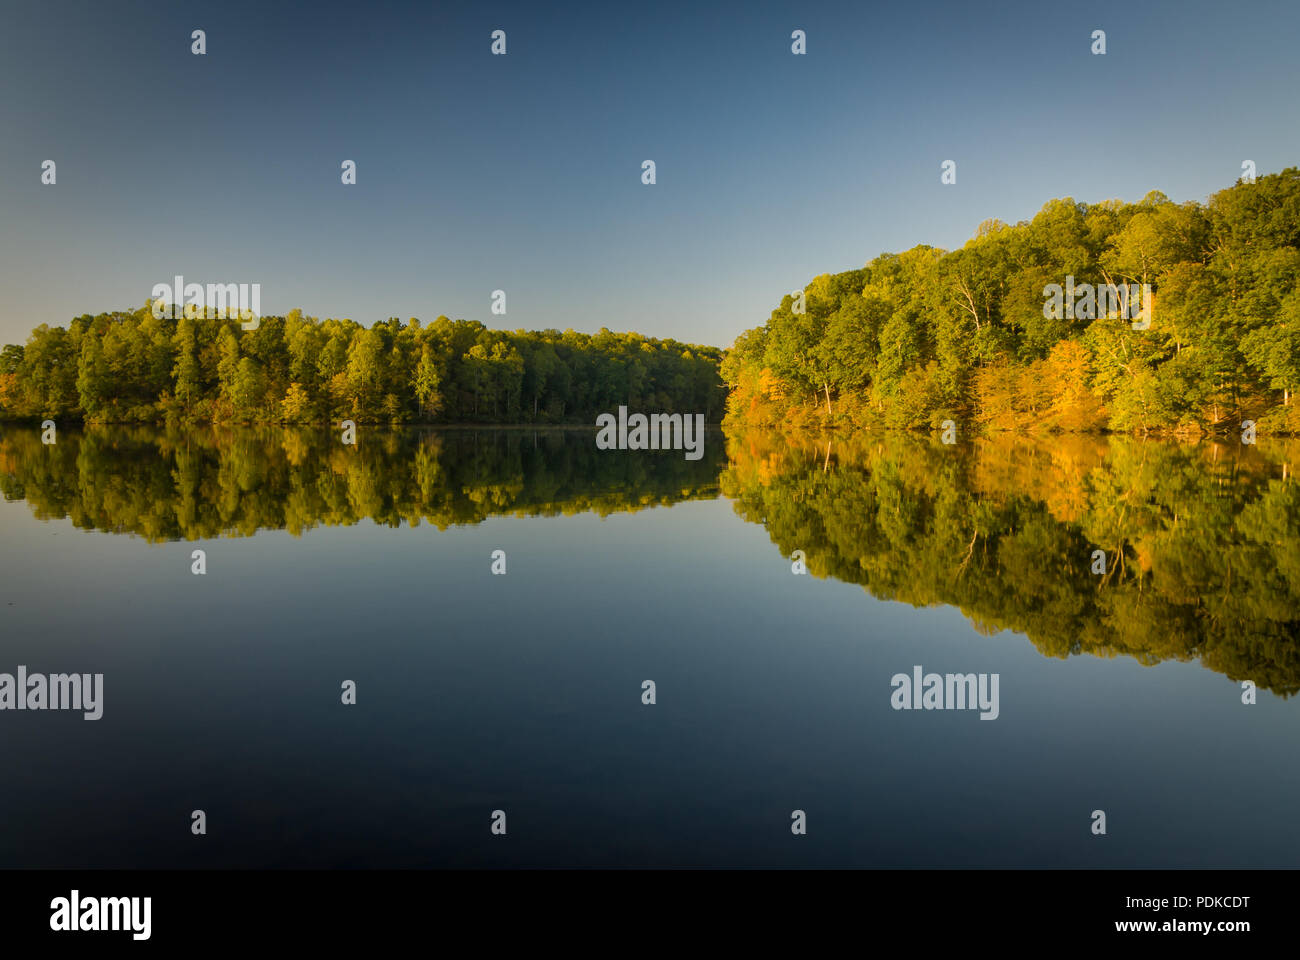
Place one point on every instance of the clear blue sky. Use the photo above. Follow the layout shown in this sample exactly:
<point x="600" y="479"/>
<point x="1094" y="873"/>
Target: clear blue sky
<point x="523" y="172"/>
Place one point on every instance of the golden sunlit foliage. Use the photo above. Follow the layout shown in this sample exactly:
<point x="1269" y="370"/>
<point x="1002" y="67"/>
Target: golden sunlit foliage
<point x="916" y="338"/>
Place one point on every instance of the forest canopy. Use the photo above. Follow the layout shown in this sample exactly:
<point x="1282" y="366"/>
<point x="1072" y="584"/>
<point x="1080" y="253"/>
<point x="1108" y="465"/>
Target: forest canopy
<point x="133" y="367"/>
<point x="909" y="341"/>
<point x="919" y="337"/>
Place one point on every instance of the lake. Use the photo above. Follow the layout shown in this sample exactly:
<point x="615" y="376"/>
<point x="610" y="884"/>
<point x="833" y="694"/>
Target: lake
<point x="1119" y="680"/>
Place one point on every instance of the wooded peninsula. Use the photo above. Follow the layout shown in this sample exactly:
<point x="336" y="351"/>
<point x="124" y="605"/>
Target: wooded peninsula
<point x="919" y="337"/>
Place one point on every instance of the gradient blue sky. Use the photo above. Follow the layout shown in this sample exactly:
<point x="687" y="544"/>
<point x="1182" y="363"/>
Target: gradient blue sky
<point x="522" y="172"/>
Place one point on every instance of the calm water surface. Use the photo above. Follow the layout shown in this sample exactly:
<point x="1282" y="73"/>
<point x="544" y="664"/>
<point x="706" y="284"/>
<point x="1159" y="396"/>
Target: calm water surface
<point x="1120" y="692"/>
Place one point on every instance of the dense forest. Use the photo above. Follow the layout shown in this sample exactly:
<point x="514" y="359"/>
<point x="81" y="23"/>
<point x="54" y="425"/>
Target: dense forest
<point x="133" y="367"/>
<point x="916" y="338"/>
<point x="1202" y="541"/>
<point x="908" y="341"/>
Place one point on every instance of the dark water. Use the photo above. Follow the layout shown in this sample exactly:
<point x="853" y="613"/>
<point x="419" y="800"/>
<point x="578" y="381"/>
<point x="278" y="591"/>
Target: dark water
<point x="1119" y="692"/>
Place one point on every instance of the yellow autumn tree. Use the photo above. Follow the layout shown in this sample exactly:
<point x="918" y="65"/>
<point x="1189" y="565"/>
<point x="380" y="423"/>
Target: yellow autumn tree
<point x="1066" y="375"/>
<point x="296" y="403"/>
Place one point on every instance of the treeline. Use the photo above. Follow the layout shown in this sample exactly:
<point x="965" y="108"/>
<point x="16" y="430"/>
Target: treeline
<point x="924" y="336"/>
<point x="132" y="367"/>
<point x="203" y="482"/>
<point x="1202" y="541"/>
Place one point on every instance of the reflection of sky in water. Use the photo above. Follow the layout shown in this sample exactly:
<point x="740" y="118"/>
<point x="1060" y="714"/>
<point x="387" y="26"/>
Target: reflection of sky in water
<point x="523" y="693"/>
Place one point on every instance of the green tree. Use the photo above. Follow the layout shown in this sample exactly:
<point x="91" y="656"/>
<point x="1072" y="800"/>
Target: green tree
<point x="249" y="387"/>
